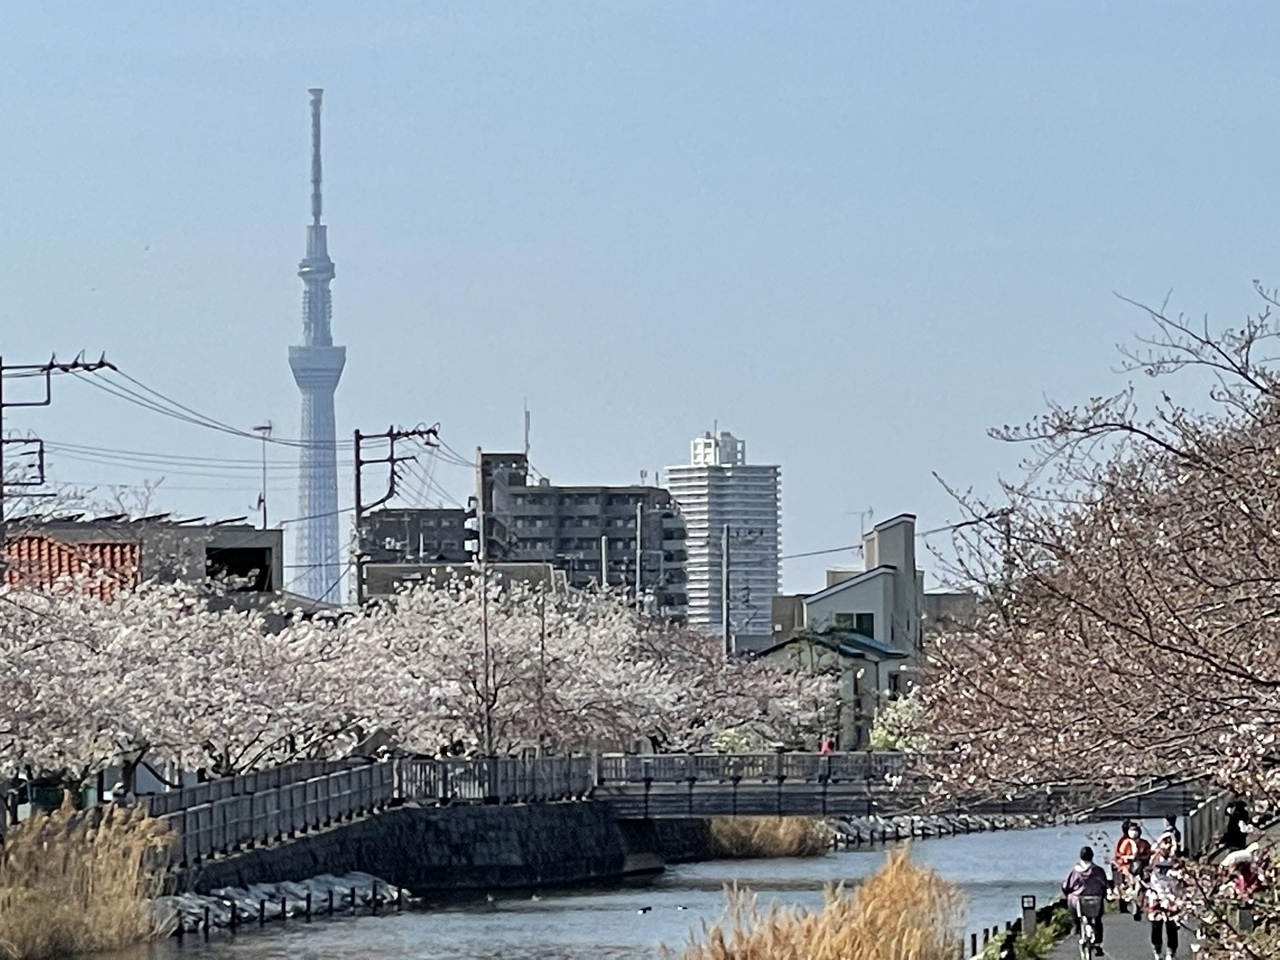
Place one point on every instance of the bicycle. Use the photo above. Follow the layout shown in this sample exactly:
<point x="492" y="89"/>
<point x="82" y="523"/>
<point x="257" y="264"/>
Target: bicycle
<point x="1089" y="913"/>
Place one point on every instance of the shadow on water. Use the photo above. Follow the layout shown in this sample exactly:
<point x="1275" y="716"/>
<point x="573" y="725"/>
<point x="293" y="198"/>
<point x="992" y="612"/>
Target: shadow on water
<point x="629" y="922"/>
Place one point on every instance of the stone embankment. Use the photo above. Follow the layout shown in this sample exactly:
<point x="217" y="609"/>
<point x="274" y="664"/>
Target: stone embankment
<point x="442" y="850"/>
<point x="231" y="908"/>
<point x="854" y="832"/>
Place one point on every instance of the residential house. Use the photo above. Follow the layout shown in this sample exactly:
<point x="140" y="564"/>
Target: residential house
<point x="867" y="622"/>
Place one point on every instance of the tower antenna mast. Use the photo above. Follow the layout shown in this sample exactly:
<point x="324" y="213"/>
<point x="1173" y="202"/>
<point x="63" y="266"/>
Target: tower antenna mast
<point x="317" y="202"/>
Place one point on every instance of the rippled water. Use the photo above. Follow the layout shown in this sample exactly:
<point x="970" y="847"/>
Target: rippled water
<point x="995" y="870"/>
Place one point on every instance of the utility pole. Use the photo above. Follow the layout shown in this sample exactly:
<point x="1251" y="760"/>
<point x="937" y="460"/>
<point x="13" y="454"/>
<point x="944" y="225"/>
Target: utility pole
<point x="724" y="592"/>
<point x="392" y="435"/>
<point x="604" y="562"/>
<point x="639" y="553"/>
<point x="727" y="537"/>
<point x="542" y="665"/>
<point x="485" y="656"/>
<point x="1006" y="535"/>
<point x="265" y="432"/>
<point x="44" y="371"/>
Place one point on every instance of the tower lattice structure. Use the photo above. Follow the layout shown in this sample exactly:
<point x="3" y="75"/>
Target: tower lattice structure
<point x="317" y="366"/>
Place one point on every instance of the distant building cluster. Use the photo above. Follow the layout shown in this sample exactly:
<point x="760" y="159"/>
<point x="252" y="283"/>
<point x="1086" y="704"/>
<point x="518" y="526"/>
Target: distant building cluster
<point x="665" y="548"/>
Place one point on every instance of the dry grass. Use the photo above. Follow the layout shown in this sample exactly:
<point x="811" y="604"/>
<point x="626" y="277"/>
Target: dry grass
<point x="79" y="881"/>
<point x="903" y="912"/>
<point x="752" y="837"/>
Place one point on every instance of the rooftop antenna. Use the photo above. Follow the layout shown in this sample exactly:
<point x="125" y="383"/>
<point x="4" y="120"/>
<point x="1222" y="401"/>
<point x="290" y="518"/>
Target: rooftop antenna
<point x="316" y="96"/>
<point x="526" y="428"/>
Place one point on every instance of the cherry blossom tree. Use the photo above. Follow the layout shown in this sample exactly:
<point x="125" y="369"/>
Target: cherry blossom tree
<point x="516" y="666"/>
<point x="1130" y="585"/>
<point x="169" y="672"/>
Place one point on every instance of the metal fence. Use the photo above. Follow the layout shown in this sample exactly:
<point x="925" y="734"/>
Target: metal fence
<point x="750" y="767"/>
<point x="496" y="780"/>
<point x="241" y="821"/>
<point x="1205" y="825"/>
<point x="160" y="804"/>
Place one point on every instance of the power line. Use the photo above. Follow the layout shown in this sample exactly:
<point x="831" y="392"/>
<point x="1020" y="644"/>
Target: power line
<point x="148" y="456"/>
<point x="923" y="533"/>
<point x="319" y="516"/>
<point x="818" y="553"/>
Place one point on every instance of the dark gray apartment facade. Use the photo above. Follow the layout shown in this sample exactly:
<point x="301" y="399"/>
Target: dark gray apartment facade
<point x="589" y="532"/>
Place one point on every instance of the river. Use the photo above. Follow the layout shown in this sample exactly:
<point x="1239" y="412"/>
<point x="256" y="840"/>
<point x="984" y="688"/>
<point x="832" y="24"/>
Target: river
<point x="994" y="870"/>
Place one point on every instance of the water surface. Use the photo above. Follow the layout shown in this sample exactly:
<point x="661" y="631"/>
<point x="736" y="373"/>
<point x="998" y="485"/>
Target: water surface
<point x="995" y="870"/>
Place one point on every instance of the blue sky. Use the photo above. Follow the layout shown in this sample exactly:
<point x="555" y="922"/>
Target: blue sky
<point x="855" y="234"/>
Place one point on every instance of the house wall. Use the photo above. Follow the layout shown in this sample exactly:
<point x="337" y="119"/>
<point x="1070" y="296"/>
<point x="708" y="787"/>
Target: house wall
<point x="874" y="595"/>
<point x="893" y="544"/>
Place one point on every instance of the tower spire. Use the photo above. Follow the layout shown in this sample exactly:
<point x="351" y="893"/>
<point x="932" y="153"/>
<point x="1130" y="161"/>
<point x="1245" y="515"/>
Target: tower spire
<point x="317" y="95"/>
<point x="317" y="366"/>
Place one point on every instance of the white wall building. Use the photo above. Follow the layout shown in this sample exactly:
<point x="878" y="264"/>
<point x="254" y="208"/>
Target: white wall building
<point x="719" y="489"/>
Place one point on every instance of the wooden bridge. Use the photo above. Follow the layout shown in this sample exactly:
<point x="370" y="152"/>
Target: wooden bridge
<point x="235" y="813"/>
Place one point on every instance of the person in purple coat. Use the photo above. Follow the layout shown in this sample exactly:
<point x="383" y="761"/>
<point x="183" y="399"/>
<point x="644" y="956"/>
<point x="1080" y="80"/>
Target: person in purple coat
<point x="1086" y="879"/>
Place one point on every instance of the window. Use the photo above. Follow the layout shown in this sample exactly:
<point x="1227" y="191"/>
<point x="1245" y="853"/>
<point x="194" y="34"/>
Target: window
<point x="249" y="567"/>
<point x="448" y="545"/>
<point x="863" y="623"/>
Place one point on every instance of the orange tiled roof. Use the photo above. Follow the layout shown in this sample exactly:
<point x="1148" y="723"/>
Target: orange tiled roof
<point x="40" y="561"/>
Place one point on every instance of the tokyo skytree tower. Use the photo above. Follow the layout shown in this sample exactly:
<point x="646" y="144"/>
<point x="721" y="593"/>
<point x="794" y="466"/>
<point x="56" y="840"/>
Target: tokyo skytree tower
<point x="317" y="366"/>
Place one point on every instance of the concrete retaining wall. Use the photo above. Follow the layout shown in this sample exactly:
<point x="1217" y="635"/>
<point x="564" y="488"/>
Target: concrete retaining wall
<point x="467" y="848"/>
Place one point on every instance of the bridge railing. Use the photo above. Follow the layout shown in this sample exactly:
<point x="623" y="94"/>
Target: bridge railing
<point x="751" y="767"/>
<point x="161" y="804"/>
<point x="224" y="816"/>
<point x="230" y="823"/>
<point x="495" y="780"/>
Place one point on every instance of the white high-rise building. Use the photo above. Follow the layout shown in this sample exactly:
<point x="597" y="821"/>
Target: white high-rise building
<point x="719" y="493"/>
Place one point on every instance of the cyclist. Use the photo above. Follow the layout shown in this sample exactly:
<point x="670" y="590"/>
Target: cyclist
<point x="1086" y="879"/>
<point x="1132" y="855"/>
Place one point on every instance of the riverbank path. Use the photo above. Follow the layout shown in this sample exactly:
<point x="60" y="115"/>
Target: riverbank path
<point x="1123" y="938"/>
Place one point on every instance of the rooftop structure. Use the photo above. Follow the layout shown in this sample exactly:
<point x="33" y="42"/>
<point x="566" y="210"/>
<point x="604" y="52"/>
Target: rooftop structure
<point x="317" y="366"/>
<point x="117" y="553"/>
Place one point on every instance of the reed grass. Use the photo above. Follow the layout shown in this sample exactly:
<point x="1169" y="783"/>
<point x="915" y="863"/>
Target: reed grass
<point x="80" y="881"/>
<point x="753" y="837"/>
<point x="903" y="912"/>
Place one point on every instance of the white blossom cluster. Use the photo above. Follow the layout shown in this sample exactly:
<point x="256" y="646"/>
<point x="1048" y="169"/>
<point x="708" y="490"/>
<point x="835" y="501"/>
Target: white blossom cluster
<point x="161" y="674"/>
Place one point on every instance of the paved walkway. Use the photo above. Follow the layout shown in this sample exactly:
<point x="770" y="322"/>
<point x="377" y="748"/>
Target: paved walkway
<point x="1124" y="939"/>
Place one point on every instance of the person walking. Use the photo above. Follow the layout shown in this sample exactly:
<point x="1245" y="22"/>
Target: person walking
<point x="1164" y="908"/>
<point x="1132" y="854"/>
<point x="1233" y="837"/>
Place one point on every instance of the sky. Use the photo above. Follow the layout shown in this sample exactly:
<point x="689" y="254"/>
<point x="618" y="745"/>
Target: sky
<point x="855" y="234"/>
